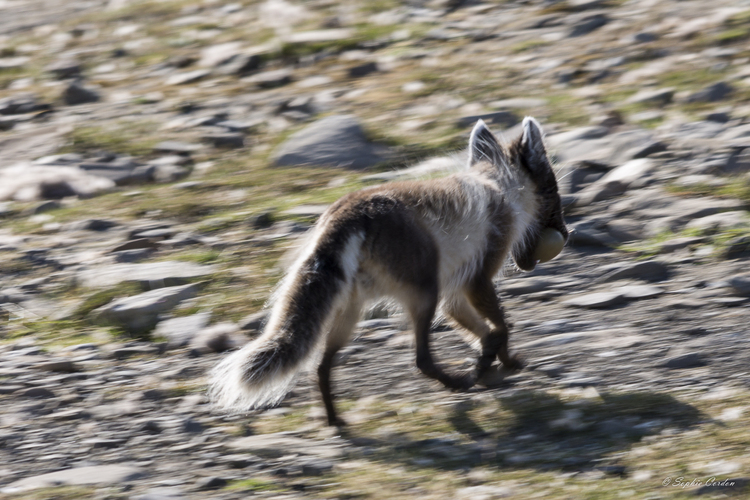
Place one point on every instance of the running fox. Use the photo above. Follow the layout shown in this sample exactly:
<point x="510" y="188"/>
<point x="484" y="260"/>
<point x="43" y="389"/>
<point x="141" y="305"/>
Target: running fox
<point x="423" y="243"/>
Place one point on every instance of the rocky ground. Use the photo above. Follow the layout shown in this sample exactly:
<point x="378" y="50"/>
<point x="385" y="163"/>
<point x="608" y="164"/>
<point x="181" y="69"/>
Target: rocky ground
<point x="160" y="160"/>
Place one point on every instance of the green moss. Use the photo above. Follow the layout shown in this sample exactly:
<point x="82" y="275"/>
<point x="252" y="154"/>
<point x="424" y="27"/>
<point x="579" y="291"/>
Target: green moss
<point x="255" y="485"/>
<point x="731" y="36"/>
<point x="738" y="188"/>
<point x="130" y="138"/>
<point x="201" y="257"/>
<point x="528" y="45"/>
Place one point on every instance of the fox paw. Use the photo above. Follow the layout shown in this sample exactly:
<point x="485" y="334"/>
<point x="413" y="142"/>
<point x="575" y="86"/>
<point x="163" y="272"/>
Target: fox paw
<point x="337" y="422"/>
<point x="514" y="363"/>
<point x="462" y="383"/>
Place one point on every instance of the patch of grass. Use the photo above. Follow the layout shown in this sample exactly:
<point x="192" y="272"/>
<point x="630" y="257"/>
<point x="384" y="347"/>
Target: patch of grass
<point x="128" y="138"/>
<point x="731" y="36"/>
<point x="689" y="79"/>
<point x="63" y="493"/>
<point x="739" y="19"/>
<point x="201" y="257"/>
<point x="738" y="188"/>
<point x="13" y="264"/>
<point x="363" y="33"/>
<point x="255" y="484"/>
<point x="375" y="6"/>
<point x="144" y="11"/>
<point x="528" y="45"/>
<point x="566" y="109"/>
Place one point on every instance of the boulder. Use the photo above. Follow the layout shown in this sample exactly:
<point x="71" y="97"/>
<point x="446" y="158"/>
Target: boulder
<point x="99" y="475"/>
<point x="141" y="312"/>
<point x="336" y="140"/>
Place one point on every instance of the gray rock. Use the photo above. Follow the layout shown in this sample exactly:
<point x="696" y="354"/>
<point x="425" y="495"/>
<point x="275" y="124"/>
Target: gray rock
<point x="316" y="467"/>
<point x="639" y="291"/>
<point x="100" y="475"/>
<point x="506" y="119"/>
<point x="131" y="256"/>
<point x="647" y="149"/>
<point x="740" y="285"/>
<point x="578" y="134"/>
<point x="280" y="444"/>
<point x="624" y="230"/>
<point x="552" y="370"/>
<point x="675" y="244"/>
<point x="239" y="126"/>
<point x="192" y="426"/>
<point x="218" y="338"/>
<point x="136" y="244"/>
<point x="659" y="97"/>
<point x="336" y="140"/>
<point x="225" y="140"/>
<point x="58" y="365"/>
<point x="77" y="93"/>
<point x="181" y="330"/>
<point x="187" y="77"/>
<point x="363" y="69"/>
<point x="64" y="68"/>
<point x="270" y="79"/>
<point x="599" y="300"/>
<point x="587" y="237"/>
<point x="153" y="272"/>
<point x="177" y="147"/>
<point x="649" y="270"/>
<point x="253" y="322"/>
<point x="46" y="206"/>
<point x="161" y="493"/>
<point x="526" y="286"/>
<point x="93" y="225"/>
<point x="586" y="24"/>
<point x="38" y="392"/>
<point x="21" y="104"/>
<point x="140" y="312"/>
<point x="737" y="247"/>
<point x="241" y="64"/>
<point x="645" y="37"/>
<point x="123" y="172"/>
<point x="216" y="55"/>
<point x="170" y="173"/>
<point x="721" y="221"/>
<point x="689" y="360"/>
<point x="616" y="182"/>
<point x="716" y="92"/>
<point x="210" y="483"/>
<point x="613" y="338"/>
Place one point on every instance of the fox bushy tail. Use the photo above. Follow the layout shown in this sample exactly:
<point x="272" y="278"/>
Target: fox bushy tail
<point x="261" y="373"/>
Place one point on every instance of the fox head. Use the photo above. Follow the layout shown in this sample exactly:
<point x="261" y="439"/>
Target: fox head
<point x="525" y="159"/>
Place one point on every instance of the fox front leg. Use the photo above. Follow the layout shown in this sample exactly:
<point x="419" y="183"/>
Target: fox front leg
<point x="484" y="299"/>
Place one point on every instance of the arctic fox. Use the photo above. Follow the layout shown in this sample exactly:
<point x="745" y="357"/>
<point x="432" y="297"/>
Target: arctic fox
<point x="422" y="243"/>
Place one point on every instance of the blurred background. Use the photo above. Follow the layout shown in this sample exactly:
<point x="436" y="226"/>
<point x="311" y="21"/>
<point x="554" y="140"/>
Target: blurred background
<point x="160" y="161"/>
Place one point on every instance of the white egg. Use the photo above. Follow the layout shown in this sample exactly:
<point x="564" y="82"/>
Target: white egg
<point x="550" y="244"/>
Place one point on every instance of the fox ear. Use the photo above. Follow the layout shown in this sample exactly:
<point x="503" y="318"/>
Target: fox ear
<point x="532" y="146"/>
<point x="483" y="146"/>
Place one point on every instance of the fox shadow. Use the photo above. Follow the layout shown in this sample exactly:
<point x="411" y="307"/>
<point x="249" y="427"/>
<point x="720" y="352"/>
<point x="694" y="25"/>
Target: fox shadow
<point x="546" y="433"/>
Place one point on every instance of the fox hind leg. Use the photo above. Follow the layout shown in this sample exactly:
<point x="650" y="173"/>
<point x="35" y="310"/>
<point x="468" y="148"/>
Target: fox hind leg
<point x="339" y="335"/>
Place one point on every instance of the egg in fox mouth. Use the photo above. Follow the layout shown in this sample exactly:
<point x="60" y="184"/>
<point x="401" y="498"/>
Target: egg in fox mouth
<point x="551" y="243"/>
